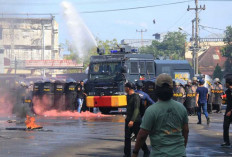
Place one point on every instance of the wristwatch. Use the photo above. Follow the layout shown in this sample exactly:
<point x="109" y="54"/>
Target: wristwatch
<point x="135" y="152"/>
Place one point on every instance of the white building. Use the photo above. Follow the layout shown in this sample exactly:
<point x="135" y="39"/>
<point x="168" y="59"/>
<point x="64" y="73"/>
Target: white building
<point x="29" y="39"/>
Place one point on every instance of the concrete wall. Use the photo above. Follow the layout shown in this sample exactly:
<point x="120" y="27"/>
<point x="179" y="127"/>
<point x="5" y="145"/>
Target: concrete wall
<point x="23" y="38"/>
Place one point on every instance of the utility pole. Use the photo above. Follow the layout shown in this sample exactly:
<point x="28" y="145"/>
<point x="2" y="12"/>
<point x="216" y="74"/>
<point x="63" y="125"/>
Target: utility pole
<point x="196" y="45"/>
<point x="141" y="31"/>
<point x="192" y="44"/>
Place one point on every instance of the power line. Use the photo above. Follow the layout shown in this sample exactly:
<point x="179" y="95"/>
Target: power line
<point x="210" y="32"/>
<point x="212" y="28"/>
<point x="134" y="8"/>
<point x="177" y="20"/>
<point x="101" y="11"/>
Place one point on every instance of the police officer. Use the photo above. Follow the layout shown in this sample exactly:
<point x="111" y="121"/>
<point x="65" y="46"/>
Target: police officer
<point x="179" y="93"/>
<point x="195" y="82"/>
<point x="29" y="95"/>
<point x="217" y="91"/>
<point x="195" y="85"/>
<point x="190" y="98"/>
<point x="146" y="101"/>
<point x="210" y="100"/>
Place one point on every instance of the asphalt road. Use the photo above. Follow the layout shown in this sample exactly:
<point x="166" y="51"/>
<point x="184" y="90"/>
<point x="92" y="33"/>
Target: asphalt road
<point x="101" y="136"/>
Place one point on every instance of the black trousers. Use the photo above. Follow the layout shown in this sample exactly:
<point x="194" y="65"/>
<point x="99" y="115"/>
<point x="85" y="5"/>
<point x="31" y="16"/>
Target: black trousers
<point x="226" y="126"/>
<point x="218" y="107"/>
<point x="127" y="143"/>
<point x="191" y="111"/>
<point x="209" y="107"/>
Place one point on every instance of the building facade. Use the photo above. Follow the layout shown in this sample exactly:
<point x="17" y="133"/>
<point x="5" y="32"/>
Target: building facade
<point x="24" y="39"/>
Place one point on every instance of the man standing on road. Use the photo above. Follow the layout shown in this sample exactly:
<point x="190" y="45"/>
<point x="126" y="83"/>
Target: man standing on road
<point x="201" y="101"/>
<point x="80" y="96"/>
<point x="228" y="113"/>
<point x="166" y="123"/>
<point x="133" y="119"/>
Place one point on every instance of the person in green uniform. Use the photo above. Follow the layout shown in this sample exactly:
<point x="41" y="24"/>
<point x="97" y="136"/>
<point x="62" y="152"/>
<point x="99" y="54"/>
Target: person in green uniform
<point x="166" y="123"/>
<point x="133" y="119"/>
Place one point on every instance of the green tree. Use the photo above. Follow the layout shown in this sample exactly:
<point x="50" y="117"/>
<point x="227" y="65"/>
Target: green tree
<point x="218" y="72"/>
<point x="107" y="45"/>
<point x="227" y="50"/>
<point x="173" y="46"/>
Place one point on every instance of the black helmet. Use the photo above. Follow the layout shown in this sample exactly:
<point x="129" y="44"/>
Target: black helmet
<point x="139" y="84"/>
<point x="130" y="85"/>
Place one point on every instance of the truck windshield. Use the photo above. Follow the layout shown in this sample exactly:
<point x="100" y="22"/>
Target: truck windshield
<point x="104" y="71"/>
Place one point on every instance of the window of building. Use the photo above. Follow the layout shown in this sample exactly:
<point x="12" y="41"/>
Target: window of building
<point x="150" y="67"/>
<point x="134" y="68"/>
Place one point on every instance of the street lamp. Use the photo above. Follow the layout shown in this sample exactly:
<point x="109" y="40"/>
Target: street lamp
<point x="181" y="29"/>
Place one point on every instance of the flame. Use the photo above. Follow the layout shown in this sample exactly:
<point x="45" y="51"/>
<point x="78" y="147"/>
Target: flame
<point x="30" y="123"/>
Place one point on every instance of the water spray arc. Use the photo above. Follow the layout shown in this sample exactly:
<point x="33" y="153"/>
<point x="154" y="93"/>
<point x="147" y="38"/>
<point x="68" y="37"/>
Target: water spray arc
<point x="83" y="39"/>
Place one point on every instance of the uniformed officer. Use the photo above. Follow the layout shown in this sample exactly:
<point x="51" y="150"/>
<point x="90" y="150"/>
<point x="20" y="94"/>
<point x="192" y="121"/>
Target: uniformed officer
<point x="210" y="100"/>
<point x="217" y="93"/>
<point x="179" y="93"/>
<point x="190" y="101"/>
<point x="195" y="84"/>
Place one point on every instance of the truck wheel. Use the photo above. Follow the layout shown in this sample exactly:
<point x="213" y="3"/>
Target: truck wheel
<point x="105" y="110"/>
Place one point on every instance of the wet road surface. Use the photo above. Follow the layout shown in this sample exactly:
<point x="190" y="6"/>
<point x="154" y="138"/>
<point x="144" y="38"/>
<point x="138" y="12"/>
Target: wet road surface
<point x="100" y="136"/>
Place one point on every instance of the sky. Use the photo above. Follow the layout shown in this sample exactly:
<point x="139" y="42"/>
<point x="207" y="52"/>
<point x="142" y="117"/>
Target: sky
<point x="123" y="24"/>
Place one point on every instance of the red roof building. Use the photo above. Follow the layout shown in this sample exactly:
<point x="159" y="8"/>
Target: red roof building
<point x="209" y="60"/>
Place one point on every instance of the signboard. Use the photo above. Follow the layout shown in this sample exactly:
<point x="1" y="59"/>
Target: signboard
<point x="51" y="63"/>
<point x="182" y="75"/>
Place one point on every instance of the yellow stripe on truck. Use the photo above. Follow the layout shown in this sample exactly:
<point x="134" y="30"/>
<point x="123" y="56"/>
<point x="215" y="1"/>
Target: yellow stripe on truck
<point x="90" y="101"/>
<point x="118" y="101"/>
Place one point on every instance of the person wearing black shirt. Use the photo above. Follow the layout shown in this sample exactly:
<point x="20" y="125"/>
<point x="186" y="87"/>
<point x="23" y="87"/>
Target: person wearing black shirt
<point x="228" y="113"/>
<point x="133" y="119"/>
<point x="80" y="96"/>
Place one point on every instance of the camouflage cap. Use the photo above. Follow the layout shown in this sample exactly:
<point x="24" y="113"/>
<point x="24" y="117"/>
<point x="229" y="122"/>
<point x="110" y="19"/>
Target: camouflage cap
<point x="194" y="78"/>
<point x="189" y="81"/>
<point x="216" y="80"/>
<point x="164" y="79"/>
